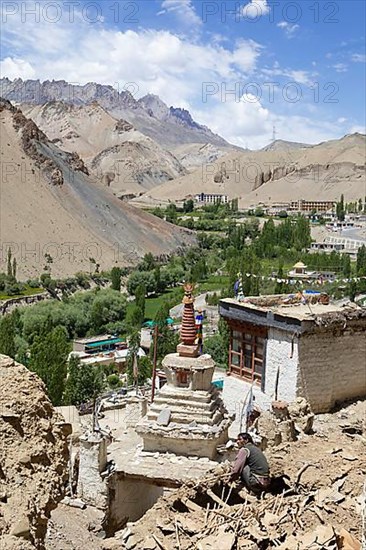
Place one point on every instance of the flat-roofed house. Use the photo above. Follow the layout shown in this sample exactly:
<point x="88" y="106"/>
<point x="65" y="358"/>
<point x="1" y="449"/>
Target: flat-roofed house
<point x="287" y="350"/>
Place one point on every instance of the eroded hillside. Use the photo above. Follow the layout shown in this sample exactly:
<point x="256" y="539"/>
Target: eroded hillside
<point x="50" y="205"/>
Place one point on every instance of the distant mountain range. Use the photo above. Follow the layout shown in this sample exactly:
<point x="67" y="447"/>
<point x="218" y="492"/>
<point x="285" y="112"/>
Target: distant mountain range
<point x="281" y="172"/>
<point x="282" y="145"/>
<point x="169" y="126"/>
<point x="148" y="152"/>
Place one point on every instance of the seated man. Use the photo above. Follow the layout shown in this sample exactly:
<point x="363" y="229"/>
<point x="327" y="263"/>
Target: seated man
<point x="251" y="465"/>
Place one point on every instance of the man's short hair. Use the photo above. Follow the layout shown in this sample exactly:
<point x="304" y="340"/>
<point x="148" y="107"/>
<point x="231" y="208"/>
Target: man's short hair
<point x="247" y="437"/>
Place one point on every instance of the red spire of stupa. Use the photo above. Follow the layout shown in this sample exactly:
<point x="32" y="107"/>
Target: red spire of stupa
<point x="188" y="329"/>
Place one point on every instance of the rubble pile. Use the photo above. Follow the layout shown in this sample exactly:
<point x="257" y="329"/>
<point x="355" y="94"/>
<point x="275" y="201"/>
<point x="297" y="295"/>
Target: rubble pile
<point x="33" y="457"/>
<point x="213" y="515"/>
<point x="286" y="422"/>
<point x="316" y="501"/>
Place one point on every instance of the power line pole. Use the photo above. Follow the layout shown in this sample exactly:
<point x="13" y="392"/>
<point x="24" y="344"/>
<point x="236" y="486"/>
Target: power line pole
<point x="274" y="134"/>
<point x="156" y="330"/>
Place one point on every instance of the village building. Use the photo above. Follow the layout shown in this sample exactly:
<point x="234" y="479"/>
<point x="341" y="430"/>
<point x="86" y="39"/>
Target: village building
<point x="211" y="198"/>
<point x="317" y="206"/>
<point x="284" y="348"/>
<point x="104" y="349"/>
<point x="300" y="272"/>
<point x="96" y="344"/>
<point x="325" y="246"/>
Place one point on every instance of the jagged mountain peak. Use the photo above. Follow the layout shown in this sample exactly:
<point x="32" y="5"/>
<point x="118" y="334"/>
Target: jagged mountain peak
<point x="156" y="106"/>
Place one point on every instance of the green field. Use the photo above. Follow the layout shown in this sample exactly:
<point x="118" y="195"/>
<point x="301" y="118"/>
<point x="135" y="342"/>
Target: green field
<point x="213" y="283"/>
<point x="28" y="291"/>
<point x="153" y="304"/>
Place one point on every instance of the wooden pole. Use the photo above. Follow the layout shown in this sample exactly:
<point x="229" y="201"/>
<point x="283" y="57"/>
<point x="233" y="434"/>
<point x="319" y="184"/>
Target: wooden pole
<point x="156" y="329"/>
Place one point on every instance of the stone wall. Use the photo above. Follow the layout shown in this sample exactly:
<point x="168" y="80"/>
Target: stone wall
<point x="332" y="367"/>
<point x="92" y="489"/>
<point x="7" y="306"/>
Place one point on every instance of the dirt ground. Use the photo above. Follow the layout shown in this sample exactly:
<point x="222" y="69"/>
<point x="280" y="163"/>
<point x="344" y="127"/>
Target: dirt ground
<point x="328" y="494"/>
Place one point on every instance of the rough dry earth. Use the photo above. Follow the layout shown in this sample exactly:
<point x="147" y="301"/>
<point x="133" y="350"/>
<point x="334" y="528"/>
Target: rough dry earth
<point x="326" y="476"/>
<point x="33" y="457"/>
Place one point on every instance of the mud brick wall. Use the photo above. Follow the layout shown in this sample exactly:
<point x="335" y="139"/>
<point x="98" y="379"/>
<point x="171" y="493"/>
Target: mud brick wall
<point x="332" y="367"/>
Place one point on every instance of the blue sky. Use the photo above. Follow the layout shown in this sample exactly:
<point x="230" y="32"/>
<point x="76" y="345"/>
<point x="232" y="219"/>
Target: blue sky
<point x="240" y="67"/>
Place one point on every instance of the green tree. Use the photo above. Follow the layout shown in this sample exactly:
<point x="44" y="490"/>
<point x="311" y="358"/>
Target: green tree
<point x="158" y="280"/>
<point x="346" y="265"/>
<point x="171" y="213"/>
<point x="14" y="268"/>
<point x="114" y="381"/>
<point x="340" y="210"/>
<point x="218" y="345"/>
<point x="352" y="290"/>
<point x="145" y="369"/>
<point x="7" y="336"/>
<point x="84" y="382"/>
<point x="116" y="278"/>
<point x="280" y="286"/>
<point x="188" y="205"/>
<point x="9" y="267"/>
<point x="141" y="278"/>
<point x="140" y="298"/>
<point x="148" y="262"/>
<point x="107" y="307"/>
<point x="134" y="318"/>
<point x="48" y="359"/>
<point x="167" y="340"/>
<point x="361" y="261"/>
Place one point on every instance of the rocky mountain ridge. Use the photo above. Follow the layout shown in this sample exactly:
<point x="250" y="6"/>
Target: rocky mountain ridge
<point x="150" y="115"/>
<point x="124" y="159"/>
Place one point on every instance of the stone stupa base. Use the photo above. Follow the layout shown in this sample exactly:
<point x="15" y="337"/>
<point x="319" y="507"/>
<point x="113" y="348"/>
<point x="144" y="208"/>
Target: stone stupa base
<point x="187" y="416"/>
<point x="185" y="440"/>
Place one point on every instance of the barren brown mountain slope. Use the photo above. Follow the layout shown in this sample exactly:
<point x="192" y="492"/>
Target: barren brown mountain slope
<point x="319" y="172"/>
<point x="49" y="205"/>
<point x="115" y="152"/>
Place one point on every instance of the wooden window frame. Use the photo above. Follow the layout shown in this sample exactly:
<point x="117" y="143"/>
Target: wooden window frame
<point x="250" y="335"/>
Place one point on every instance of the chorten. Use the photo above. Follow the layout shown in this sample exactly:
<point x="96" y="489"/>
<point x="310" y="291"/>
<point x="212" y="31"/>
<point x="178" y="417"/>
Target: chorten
<point x="188" y="416"/>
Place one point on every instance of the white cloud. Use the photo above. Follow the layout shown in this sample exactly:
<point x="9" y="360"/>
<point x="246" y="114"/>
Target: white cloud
<point x="341" y="120"/>
<point x="300" y="76"/>
<point x="340" y="67"/>
<point x="255" y="9"/>
<point x="183" y="9"/>
<point x="159" y="62"/>
<point x="16" y="68"/>
<point x="357" y="128"/>
<point x="358" y="58"/>
<point x="289" y="28"/>
<point x="237" y="121"/>
<point x="248" y="123"/>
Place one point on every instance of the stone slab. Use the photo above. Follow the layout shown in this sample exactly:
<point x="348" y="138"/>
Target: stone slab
<point x="163" y="418"/>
